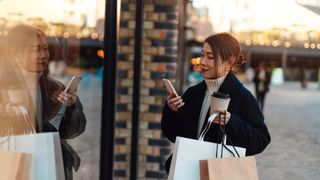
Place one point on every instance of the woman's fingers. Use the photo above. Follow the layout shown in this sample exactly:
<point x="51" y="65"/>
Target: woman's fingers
<point x="180" y="105"/>
<point x="175" y="102"/>
<point x="223" y="118"/>
<point x="67" y="98"/>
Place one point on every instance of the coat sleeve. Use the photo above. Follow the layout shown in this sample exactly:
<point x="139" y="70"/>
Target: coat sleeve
<point x="74" y="122"/>
<point x="248" y="129"/>
<point x="171" y="121"/>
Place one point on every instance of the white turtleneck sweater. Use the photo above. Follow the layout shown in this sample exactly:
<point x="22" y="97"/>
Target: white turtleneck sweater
<point x="32" y="82"/>
<point x="213" y="85"/>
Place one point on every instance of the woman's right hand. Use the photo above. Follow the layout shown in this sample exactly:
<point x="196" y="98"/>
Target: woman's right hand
<point x="174" y="102"/>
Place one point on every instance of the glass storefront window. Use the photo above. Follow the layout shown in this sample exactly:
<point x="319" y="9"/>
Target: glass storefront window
<point x="43" y="44"/>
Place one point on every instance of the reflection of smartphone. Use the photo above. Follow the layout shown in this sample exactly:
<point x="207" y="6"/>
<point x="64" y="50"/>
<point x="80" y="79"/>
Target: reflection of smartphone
<point x="73" y="84"/>
<point x="167" y="84"/>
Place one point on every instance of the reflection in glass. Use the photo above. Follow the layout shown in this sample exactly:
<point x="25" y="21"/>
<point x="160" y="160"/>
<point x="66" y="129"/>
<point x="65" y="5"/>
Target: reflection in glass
<point x="74" y="33"/>
<point x="35" y="101"/>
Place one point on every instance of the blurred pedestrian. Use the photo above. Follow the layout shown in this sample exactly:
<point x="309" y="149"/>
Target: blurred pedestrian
<point x="303" y="78"/>
<point x="261" y="80"/>
<point x="249" y="74"/>
<point x="319" y="78"/>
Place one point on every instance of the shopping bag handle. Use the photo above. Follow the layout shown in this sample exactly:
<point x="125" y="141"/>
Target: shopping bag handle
<point x="21" y="113"/>
<point x="224" y="138"/>
<point x="205" y="130"/>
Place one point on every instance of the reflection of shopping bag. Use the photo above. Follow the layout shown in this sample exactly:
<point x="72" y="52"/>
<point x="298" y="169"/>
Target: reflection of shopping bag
<point x="188" y="152"/>
<point x="14" y="165"/>
<point x="232" y="168"/>
<point x="15" y="120"/>
<point x="46" y="153"/>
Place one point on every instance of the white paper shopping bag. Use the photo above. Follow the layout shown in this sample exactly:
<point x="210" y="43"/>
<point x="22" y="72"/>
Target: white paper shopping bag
<point x="47" y="162"/>
<point x="187" y="153"/>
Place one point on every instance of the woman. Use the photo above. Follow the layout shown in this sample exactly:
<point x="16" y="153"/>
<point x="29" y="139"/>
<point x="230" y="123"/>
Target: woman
<point x="54" y="110"/>
<point x="261" y="80"/>
<point x="186" y="116"/>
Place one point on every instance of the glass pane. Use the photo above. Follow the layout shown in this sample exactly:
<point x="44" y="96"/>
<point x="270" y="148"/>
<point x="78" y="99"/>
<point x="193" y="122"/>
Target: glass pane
<point x="43" y="45"/>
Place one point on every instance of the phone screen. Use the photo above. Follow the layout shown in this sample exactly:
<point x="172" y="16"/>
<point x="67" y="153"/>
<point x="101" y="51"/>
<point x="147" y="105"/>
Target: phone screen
<point x="169" y="87"/>
<point x="73" y="84"/>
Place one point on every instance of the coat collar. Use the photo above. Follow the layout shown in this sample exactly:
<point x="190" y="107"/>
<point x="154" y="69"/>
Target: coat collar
<point x="231" y="85"/>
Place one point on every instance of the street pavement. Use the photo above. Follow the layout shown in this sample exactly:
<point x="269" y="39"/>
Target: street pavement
<point x="292" y="115"/>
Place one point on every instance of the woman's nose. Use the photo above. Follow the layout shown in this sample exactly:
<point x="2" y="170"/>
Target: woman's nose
<point x="203" y="61"/>
<point x="43" y="54"/>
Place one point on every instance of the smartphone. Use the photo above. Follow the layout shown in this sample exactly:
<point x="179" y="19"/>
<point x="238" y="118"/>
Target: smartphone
<point x="168" y="85"/>
<point x="73" y="84"/>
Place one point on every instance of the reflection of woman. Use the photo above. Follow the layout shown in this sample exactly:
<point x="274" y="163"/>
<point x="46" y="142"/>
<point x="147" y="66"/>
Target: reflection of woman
<point x="185" y="116"/>
<point x="54" y="109"/>
<point x="262" y="80"/>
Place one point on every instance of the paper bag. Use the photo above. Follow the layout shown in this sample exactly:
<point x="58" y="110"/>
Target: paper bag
<point x="14" y="165"/>
<point x="204" y="173"/>
<point x="187" y="153"/>
<point x="233" y="168"/>
<point x="46" y="153"/>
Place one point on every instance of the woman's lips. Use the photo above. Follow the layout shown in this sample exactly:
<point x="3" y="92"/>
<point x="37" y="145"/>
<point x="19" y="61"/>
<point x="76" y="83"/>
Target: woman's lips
<point x="204" y="70"/>
<point x="41" y="63"/>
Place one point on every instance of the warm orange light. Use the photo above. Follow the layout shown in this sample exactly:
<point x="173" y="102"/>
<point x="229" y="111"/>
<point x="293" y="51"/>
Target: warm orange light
<point x="312" y="45"/>
<point x="287" y="44"/>
<point x="100" y="53"/>
<point x="94" y="36"/>
<point x="195" y="61"/>
<point x="197" y="68"/>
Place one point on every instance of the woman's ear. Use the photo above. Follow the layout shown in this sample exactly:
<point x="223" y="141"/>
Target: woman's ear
<point x="231" y="61"/>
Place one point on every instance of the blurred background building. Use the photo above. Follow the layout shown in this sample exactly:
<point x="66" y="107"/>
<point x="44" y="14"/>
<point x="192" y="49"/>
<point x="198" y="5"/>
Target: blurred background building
<point x="283" y="34"/>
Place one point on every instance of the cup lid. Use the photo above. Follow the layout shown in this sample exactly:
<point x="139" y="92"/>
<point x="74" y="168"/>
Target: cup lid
<point x="220" y="95"/>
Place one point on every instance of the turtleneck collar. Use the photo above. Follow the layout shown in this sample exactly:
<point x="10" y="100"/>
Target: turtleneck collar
<point x="213" y="85"/>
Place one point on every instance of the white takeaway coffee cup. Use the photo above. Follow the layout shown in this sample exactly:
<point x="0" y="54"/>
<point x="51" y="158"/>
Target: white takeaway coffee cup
<point x="219" y="101"/>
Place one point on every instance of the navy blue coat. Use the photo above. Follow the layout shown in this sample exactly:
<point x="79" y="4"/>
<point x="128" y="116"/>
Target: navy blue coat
<point x="246" y="127"/>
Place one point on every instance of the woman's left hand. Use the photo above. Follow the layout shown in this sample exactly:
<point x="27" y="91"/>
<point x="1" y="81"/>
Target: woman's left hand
<point x="223" y="114"/>
<point x="68" y="98"/>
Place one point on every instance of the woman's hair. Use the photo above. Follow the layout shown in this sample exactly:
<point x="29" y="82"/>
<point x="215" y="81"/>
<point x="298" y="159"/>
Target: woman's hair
<point x="19" y="38"/>
<point x="21" y="35"/>
<point x="224" y="45"/>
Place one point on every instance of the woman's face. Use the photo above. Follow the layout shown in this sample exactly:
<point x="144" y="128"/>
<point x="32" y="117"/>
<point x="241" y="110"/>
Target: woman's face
<point x="36" y="55"/>
<point x="212" y="67"/>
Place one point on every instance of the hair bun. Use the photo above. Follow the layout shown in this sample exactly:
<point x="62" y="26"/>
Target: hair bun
<point x="241" y="59"/>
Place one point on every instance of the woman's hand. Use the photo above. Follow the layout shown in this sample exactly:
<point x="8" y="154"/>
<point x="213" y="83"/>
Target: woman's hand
<point x="68" y="98"/>
<point x="223" y="114"/>
<point x="174" y="102"/>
